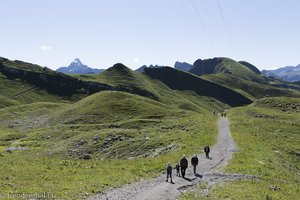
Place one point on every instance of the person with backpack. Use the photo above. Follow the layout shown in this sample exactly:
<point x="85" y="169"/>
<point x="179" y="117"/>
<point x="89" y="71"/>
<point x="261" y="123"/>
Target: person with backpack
<point x="177" y="169"/>
<point x="207" y="150"/>
<point x="183" y="165"/>
<point x="169" y="172"/>
<point x="195" y="162"/>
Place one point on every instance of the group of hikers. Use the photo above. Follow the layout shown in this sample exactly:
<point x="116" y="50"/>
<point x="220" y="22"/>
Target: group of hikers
<point x="222" y="114"/>
<point x="183" y="165"/>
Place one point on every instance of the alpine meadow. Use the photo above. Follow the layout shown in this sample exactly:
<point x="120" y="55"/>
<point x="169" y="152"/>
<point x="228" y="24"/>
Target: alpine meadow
<point x="220" y="123"/>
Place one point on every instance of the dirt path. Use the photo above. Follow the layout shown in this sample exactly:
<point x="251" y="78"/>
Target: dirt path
<point x="208" y="170"/>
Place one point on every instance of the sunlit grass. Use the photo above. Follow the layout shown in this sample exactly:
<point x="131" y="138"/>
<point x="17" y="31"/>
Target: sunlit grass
<point x="268" y="140"/>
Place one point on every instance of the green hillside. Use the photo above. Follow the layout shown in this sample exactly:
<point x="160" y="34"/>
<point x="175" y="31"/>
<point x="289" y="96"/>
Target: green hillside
<point x="109" y="134"/>
<point x="16" y="92"/>
<point x="226" y="65"/>
<point x="178" y="80"/>
<point x="250" y="66"/>
<point x="252" y="90"/>
<point x="137" y="122"/>
<point x="121" y="125"/>
<point x="243" y="78"/>
<point x="193" y="96"/>
<point x="43" y="83"/>
<point x="267" y="135"/>
<point x="109" y="106"/>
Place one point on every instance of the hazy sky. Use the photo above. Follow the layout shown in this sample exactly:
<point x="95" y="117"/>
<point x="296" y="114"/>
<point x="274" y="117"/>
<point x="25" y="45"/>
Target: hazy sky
<point x="135" y="32"/>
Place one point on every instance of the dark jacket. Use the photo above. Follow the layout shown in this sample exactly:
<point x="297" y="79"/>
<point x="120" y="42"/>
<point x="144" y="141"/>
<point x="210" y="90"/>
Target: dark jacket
<point x="183" y="163"/>
<point x="195" y="160"/>
<point x="169" y="169"/>
<point x="177" y="167"/>
<point x="206" y="149"/>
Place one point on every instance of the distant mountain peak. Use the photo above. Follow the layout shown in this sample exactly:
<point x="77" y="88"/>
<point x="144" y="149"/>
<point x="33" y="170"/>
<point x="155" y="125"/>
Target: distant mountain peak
<point x="77" y="67"/>
<point x="76" y="62"/>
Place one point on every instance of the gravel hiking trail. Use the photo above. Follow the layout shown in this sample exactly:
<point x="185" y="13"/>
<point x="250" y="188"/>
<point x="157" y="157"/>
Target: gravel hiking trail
<point x="208" y="171"/>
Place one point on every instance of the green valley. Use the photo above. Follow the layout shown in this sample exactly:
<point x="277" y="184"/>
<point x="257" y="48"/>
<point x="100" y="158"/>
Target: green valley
<point x="80" y="135"/>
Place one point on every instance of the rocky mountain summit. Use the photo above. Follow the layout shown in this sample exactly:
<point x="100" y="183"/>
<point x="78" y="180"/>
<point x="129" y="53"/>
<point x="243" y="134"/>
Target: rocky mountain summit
<point x="76" y="67"/>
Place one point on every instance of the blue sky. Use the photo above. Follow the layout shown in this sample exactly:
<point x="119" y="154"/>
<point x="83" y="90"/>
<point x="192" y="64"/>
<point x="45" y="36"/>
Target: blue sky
<point x="101" y="33"/>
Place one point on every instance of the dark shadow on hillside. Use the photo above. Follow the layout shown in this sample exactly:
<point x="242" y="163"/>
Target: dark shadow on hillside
<point x="63" y="85"/>
<point x="178" y="80"/>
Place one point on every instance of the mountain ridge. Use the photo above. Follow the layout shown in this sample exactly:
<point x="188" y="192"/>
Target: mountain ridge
<point x="228" y="66"/>
<point x="76" y="67"/>
<point x="288" y="73"/>
<point x="183" y="66"/>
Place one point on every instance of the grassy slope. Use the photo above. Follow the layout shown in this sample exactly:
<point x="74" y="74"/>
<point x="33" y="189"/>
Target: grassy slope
<point x="44" y="166"/>
<point x="187" y="99"/>
<point x="239" y="70"/>
<point x="16" y="92"/>
<point x="248" y="88"/>
<point x="267" y="135"/>
<point x="25" y="66"/>
<point x="240" y="78"/>
<point x="228" y="66"/>
<point x="107" y="106"/>
<point x="182" y="81"/>
<point x="128" y="126"/>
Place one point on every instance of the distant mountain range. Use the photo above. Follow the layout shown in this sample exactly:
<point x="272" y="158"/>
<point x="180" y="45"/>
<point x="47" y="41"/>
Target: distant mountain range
<point x="76" y="67"/>
<point x="142" y="68"/>
<point x="178" y="65"/>
<point x="183" y="66"/>
<point x="201" y="67"/>
<point x="289" y="73"/>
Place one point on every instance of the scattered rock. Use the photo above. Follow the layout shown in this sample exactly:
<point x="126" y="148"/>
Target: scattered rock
<point x="293" y="152"/>
<point x="96" y="139"/>
<point x="114" y="126"/>
<point x="17" y="122"/>
<point x="274" y="188"/>
<point x="164" y="150"/>
<point x="81" y="142"/>
<point x="86" y="157"/>
<point x="261" y="162"/>
<point x="11" y="149"/>
<point x="70" y="153"/>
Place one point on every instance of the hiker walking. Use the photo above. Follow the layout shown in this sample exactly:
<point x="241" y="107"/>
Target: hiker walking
<point x="207" y="150"/>
<point x="169" y="172"/>
<point x="177" y="169"/>
<point x="195" y="162"/>
<point x="183" y="165"/>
